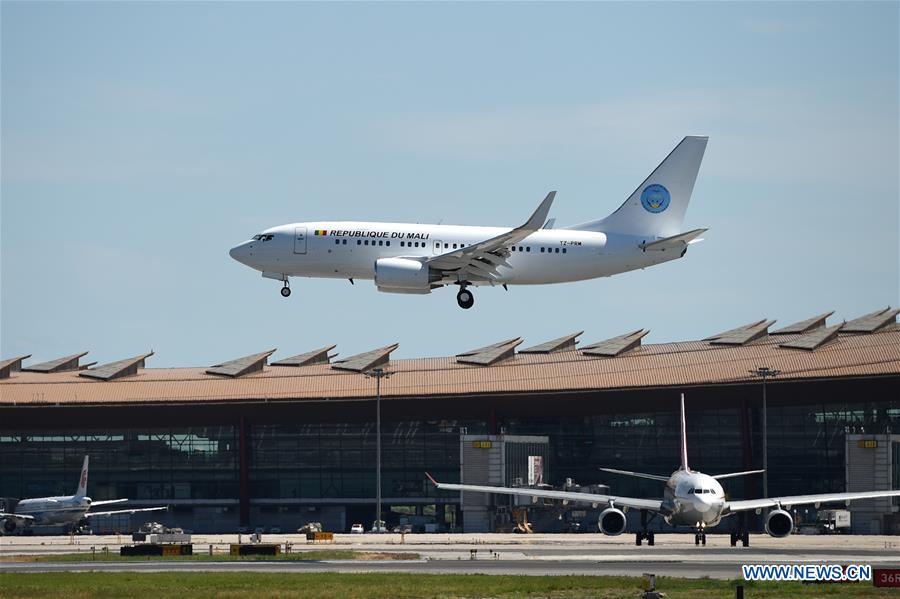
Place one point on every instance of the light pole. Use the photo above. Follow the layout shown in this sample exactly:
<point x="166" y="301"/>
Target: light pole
<point x="765" y="372"/>
<point x="378" y="374"/>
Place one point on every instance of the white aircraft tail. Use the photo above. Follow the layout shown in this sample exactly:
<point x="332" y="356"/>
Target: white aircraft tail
<point x="684" y="460"/>
<point x="82" y="480"/>
<point x="658" y="206"/>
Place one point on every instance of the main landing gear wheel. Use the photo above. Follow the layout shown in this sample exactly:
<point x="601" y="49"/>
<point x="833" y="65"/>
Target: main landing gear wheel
<point x="465" y="299"/>
<point x="286" y="290"/>
<point x="742" y="536"/>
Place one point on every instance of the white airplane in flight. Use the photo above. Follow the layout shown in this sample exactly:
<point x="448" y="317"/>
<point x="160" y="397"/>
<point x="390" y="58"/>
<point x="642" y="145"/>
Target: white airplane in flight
<point x="71" y="510"/>
<point x="408" y="258"/>
<point x="691" y="499"/>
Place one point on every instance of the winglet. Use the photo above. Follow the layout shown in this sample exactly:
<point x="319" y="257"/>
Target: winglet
<point x="431" y="478"/>
<point x="540" y="215"/>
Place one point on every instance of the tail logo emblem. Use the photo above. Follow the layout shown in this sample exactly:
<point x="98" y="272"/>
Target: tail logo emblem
<point x="655" y="198"/>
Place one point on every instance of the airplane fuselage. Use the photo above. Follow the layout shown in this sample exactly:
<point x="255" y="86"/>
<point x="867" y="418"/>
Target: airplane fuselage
<point x="693" y="499"/>
<point x="349" y="250"/>
<point x="50" y="511"/>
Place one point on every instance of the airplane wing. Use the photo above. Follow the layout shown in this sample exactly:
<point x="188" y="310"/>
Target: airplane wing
<point x="636" y="474"/>
<point x="755" y="504"/>
<point x="16" y="516"/>
<point x="479" y="261"/>
<point x="653" y="505"/>
<point x="676" y="242"/>
<point x="132" y="511"/>
<point x="733" y="474"/>
<point x="107" y="502"/>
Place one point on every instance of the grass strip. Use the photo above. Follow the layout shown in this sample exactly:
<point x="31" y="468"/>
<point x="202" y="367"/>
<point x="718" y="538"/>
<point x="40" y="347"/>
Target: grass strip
<point x="314" y="555"/>
<point x="334" y="585"/>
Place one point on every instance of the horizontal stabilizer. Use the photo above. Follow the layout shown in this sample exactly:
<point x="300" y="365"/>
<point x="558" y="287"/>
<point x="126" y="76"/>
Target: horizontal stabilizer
<point x="636" y="474"/>
<point x="107" y="502"/>
<point x="676" y="242"/>
<point x="734" y="474"/>
<point x="132" y="511"/>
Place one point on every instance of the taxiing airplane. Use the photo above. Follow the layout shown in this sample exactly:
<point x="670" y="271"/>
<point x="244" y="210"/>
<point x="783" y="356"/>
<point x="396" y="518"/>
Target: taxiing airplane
<point x="408" y="258"/>
<point x="70" y="511"/>
<point x="690" y="499"/>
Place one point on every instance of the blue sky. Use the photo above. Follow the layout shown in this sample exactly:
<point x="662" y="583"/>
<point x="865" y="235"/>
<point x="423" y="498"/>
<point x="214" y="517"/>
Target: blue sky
<point x="140" y="141"/>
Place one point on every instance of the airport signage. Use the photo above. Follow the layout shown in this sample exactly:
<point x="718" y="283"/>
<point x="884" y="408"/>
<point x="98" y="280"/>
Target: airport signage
<point x="886" y="577"/>
<point x="870" y="444"/>
<point x="482" y="444"/>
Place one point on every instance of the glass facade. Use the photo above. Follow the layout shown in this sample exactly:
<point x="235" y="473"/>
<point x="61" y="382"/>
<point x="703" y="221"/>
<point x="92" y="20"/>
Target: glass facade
<point x="328" y="461"/>
<point x="289" y="466"/>
<point x="152" y="464"/>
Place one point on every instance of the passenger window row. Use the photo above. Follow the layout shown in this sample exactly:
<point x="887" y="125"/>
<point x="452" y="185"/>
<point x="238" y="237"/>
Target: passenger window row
<point x="381" y="242"/>
<point x="543" y="249"/>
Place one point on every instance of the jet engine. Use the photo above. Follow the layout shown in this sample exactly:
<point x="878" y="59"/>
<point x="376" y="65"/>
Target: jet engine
<point x="612" y="521"/>
<point x="779" y="524"/>
<point x="8" y="525"/>
<point x="402" y="275"/>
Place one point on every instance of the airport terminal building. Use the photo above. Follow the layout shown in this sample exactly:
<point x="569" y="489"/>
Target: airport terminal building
<point x="266" y="441"/>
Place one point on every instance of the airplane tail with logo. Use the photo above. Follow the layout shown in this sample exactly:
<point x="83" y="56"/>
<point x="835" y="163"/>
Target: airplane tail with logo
<point x="82" y="480"/>
<point x="684" y="460"/>
<point x="657" y="207"/>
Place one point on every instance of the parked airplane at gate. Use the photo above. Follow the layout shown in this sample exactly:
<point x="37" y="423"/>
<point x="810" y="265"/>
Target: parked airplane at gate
<point x="408" y="258"/>
<point x="70" y="511"/>
<point x="690" y="499"/>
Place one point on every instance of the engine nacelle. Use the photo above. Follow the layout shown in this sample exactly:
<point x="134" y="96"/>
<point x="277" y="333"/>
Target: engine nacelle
<point x="779" y="523"/>
<point x="8" y="525"/>
<point x="402" y="275"/>
<point x="612" y="521"/>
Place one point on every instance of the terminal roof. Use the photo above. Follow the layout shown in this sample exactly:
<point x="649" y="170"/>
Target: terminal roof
<point x="11" y="365"/>
<point x="815" y="338"/>
<point x="615" y="346"/>
<point x="316" y="356"/>
<point x="872" y="322"/>
<point x="241" y="366"/>
<point x="804" y="326"/>
<point x="367" y="361"/>
<point x="742" y="335"/>
<point x="59" y="364"/>
<point x="490" y="354"/>
<point x="548" y="347"/>
<point x="115" y="370"/>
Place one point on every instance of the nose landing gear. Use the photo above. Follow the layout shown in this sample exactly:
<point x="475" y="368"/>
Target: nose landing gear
<point x="286" y="290"/>
<point x="465" y="299"/>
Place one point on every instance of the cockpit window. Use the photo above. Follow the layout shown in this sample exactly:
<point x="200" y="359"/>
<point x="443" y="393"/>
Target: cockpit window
<point x="264" y="237"/>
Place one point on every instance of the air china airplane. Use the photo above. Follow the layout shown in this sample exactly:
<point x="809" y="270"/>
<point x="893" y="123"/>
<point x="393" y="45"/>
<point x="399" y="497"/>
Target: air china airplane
<point x="690" y="499"/>
<point x="408" y="258"/>
<point x="70" y="511"/>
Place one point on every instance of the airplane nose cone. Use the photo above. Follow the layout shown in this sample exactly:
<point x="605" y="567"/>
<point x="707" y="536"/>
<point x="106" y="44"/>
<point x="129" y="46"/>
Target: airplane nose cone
<point x="240" y="253"/>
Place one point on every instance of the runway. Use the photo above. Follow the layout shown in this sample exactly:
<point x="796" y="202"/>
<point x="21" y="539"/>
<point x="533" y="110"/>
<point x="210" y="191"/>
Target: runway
<point x="583" y="554"/>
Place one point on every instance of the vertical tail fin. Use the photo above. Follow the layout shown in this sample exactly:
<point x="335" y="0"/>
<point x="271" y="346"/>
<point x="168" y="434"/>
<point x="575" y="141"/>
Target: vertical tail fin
<point x="684" y="460"/>
<point x="658" y="206"/>
<point x="82" y="480"/>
